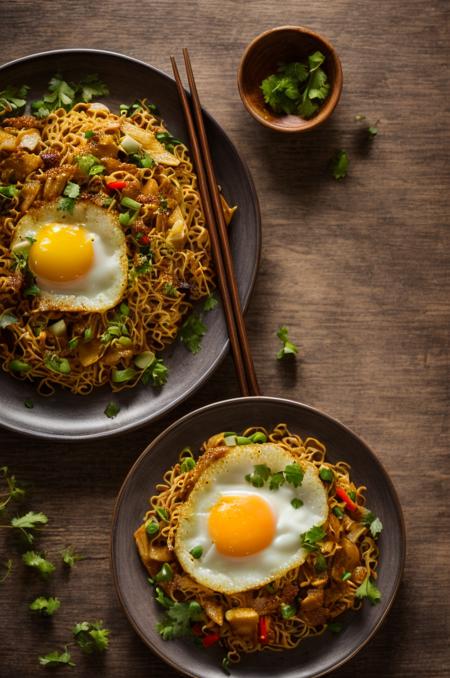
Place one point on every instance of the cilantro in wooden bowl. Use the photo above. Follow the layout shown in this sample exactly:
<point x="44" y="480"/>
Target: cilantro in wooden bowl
<point x="290" y="79"/>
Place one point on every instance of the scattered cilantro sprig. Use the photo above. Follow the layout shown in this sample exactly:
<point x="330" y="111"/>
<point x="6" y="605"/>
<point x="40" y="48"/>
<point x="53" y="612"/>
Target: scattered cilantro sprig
<point x="192" y="332"/>
<point x="67" y="202"/>
<point x="310" y="538"/>
<point x="91" y="636"/>
<point x="178" y="619"/>
<point x="339" y="165"/>
<point x="45" y="606"/>
<point x="371" y="521"/>
<point x="292" y="474"/>
<point x="56" y="658"/>
<point x="69" y="557"/>
<point x="368" y="590"/>
<point x="62" y="94"/>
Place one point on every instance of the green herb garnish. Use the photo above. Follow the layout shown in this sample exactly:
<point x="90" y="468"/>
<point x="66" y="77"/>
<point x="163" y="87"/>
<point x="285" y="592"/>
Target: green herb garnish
<point x="196" y="552"/>
<point x="178" y="620"/>
<point x="167" y="140"/>
<point x="368" y="590"/>
<point x="294" y="474"/>
<point x="61" y="94"/>
<point x="258" y="477"/>
<point x="69" y="557"/>
<point x="7" y="319"/>
<point x="296" y="503"/>
<point x="192" y="331"/>
<point x="152" y="528"/>
<point x="13" y="99"/>
<point x="70" y="194"/>
<point x="56" y="658"/>
<point x="39" y="563"/>
<point x="45" y="606"/>
<point x="326" y="474"/>
<point x="57" y="364"/>
<point x="309" y="539"/>
<point x="112" y="410"/>
<point x="339" y="165"/>
<point x="370" y="520"/>
<point x="210" y="303"/>
<point x="288" y="347"/>
<point x="287" y="611"/>
<point x="91" y="636"/>
<point x="165" y="573"/>
<point x="298" y="88"/>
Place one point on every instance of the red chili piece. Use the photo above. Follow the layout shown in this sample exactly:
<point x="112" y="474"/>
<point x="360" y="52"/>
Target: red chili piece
<point x="145" y="240"/>
<point x="342" y="494"/>
<point x="210" y="639"/>
<point x="262" y="630"/>
<point x="116" y="185"/>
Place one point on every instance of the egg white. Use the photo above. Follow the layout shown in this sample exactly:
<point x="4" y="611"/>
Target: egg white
<point x="225" y="477"/>
<point x="104" y="284"/>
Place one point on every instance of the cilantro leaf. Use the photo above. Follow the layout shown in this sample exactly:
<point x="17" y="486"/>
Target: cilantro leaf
<point x="178" y="619"/>
<point x="70" y="193"/>
<point x="30" y="520"/>
<point x="339" y="165"/>
<point x="69" y="556"/>
<point x="368" y="590"/>
<point x="276" y="480"/>
<point x="288" y="347"/>
<point x="258" y="477"/>
<point x="62" y="94"/>
<point x="9" y="191"/>
<point x="167" y="140"/>
<point x="14" y="491"/>
<point x="192" y="332"/>
<point x="210" y="303"/>
<point x="294" y="474"/>
<point x="56" y="658"/>
<point x="12" y="99"/>
<point x="112" y="410"/>
<point x="38" y="562"/>
<point x="309" y="539"/>
<point x="91" y="636"/>
<point x="91" y="87"/>
<point x="45" y="606"/>
<point x="371" y="521"/>
<point x="156" y="373"/>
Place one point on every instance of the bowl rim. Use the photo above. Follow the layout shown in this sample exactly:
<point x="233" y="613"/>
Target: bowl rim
<point x="325" y="111"/>
<point x="150" y="449"/>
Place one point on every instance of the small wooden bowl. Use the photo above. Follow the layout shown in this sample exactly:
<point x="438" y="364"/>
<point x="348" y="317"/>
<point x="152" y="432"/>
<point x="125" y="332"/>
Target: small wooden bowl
<point x="284" y="45"/>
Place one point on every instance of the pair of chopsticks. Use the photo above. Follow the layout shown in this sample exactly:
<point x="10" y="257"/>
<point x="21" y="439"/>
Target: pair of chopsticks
<point x="215" y="220"/>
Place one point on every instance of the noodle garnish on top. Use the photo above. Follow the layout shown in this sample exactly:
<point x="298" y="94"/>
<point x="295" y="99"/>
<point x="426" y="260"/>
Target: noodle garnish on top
<point x="210" y="511"/>
<point x="130" y="176"/>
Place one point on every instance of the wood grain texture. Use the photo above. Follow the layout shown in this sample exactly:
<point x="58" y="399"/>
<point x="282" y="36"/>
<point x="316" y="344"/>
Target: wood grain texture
<point x="358" y="270"/>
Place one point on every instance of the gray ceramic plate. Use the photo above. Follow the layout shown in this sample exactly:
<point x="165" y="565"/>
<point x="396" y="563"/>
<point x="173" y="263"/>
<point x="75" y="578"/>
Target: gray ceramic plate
<point x="314" y="657"/>
<point x="68" y="416"/>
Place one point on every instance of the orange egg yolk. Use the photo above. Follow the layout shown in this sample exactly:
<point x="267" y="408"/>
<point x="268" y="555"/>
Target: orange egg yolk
<point x="61" y="252"/>
<point x="241" y="525"/>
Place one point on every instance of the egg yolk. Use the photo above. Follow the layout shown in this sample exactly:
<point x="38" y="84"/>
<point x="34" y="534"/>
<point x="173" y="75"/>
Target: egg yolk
<point x="61" y="252"/>
<point x="241" y="525"/>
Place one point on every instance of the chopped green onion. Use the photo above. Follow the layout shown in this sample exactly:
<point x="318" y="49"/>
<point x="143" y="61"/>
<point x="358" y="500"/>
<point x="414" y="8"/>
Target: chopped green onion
<point x="19" y="366"/>
<point x="258" y="437"/>
<point x="88" y="334"/>
<point x="229" y="433"/>
<point x="73" y="343"/>
<point x="165" y="573"/>
<point x="144" y="360"/>
<point x="230" y="441"/>
<point x="296" y="503"/>
<point x="162" y="513"/>
<point x="338" y="512"/>
<point x="187" y="465"/>
<point x="287" y="611"/>
<point x="112" y="410"/>
<point x="130" y="203"/>
<point x="29" y="404"/>
<point x="124" y="218"/>
<point x="196" y="552"/>
<point x="130" y="145"/>
<point x="57" y="364"/>
<point x="7" y="319"/>
<point x="125" y="341"/>
<point x="326" y="474"/>
<point x="346" y="576"/>
<point x="335" y="627"/>
<point x="58" y="329"/>
<point x="119" y="376"/>
<point x="89" y="134"/>
<point x="152" y="528"/>
<point x="243" y="440"/>
<point x="352" y="495"/>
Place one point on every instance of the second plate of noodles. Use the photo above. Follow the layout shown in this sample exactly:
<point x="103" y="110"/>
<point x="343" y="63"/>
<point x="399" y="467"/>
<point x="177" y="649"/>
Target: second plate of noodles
<point x="284" y="534"/>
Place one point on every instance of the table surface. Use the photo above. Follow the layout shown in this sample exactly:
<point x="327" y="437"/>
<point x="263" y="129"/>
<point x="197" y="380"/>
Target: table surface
<point x="357" y="269"/>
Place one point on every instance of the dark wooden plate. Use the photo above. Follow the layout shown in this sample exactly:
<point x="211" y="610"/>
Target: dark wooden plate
<point x="67" y="416"/>
<point x="315" y="656"/>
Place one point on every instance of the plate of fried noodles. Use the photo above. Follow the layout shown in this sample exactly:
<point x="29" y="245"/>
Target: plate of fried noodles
<point x="109" y="313"/>
<point x="257" y="537"/>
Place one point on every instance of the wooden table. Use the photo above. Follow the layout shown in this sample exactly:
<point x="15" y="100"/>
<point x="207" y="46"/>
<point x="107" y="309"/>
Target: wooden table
<point x="357" y="269"/>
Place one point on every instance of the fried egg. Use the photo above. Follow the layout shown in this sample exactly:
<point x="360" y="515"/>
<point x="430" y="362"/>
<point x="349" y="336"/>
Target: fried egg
<point x="248" y="536"/>
<point x="78" y="258"/>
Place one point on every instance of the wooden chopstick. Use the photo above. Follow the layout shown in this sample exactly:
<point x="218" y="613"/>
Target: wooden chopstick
<point x="217" y="229"/>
